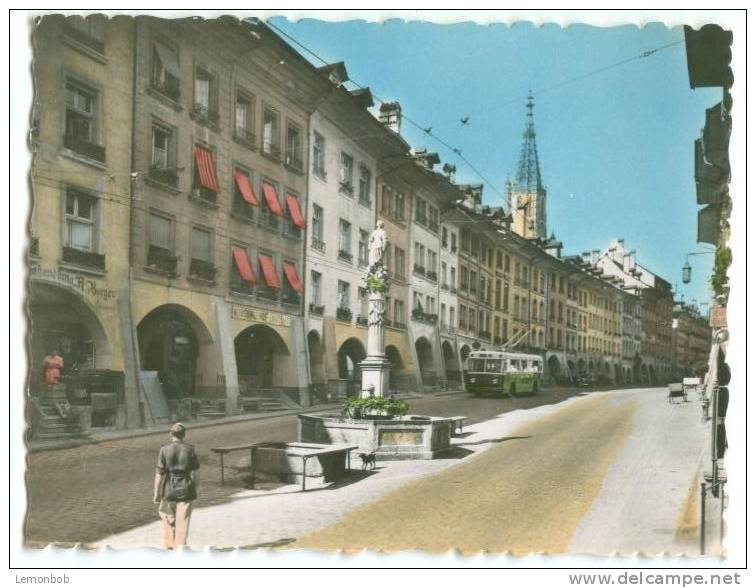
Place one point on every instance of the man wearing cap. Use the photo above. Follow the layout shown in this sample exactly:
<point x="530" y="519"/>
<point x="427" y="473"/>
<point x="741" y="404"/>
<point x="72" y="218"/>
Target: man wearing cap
<point x="176" y="483"/>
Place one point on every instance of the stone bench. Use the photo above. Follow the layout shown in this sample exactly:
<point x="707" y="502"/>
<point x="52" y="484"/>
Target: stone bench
<point x="457" y="423"/>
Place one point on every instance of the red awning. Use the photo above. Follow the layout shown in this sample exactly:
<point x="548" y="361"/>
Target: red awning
<point x="242" y="182"/>
<point x="206" y="168"/>
<point x="269" y="272"/>
<point x="292" y="277"/>
<point x="295" y="212"/>
<point x="271" y="198"/>
<point x="243" y="265"/>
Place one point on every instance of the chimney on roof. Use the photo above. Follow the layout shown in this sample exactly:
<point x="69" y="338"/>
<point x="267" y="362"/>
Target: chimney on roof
<point x="390" y="114"/>
<point x="427" y="160"/>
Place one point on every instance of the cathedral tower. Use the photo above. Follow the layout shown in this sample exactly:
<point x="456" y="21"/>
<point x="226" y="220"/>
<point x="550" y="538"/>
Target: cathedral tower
<point x="527" y="196"/>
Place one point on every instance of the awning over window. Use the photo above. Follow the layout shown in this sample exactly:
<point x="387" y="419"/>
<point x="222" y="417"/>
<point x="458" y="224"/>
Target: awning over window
<point x="295" y="212"/>
<point x="206" y="168"/>
<point x="269" y="272"/>
<point x="245" y="188"/>
<point x="271" y="198"/>
<point x="244" y="266"/>
<point x="292" y="277"/>
<point x="168" y="59"/>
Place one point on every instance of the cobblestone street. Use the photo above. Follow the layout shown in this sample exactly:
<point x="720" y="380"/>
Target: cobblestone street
<point x="89" y="492"/>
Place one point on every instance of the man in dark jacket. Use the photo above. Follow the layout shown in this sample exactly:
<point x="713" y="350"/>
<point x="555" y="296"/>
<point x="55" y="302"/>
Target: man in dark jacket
<point x="176" y="483"/>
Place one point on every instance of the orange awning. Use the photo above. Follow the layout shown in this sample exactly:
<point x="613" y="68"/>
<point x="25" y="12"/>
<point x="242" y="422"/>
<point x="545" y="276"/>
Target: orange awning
<point x="269" y="272"/>
<point x="292" y="277"/>
<point x="245" y="188"/>
<point x="296" y="213"/>
<point x="271" y="198"/>
<point x="206" y="168"/>
<point x="243" y="265"/>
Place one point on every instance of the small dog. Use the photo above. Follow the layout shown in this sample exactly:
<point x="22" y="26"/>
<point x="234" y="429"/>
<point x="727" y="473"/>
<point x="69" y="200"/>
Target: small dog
<point x="368" y="460"/>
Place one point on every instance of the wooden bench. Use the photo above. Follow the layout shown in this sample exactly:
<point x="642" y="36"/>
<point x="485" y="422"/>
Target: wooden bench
<point x="222" y="451"/>
<point x="457" y="423"/>
<point x="307" y="453"/>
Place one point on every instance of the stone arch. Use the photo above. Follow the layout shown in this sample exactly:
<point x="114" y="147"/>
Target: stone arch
<point x="451" y="362"/>
<point x="619" y="377"/>
<point x="60" y="318"/>
<point x="464" y="352"/>
<point x="581" y="367"/>
<point x="170" y="338"/>
<point x="350" y="354"/>
<point x="396" y="362"/>
<point x="260" y="352"/>
<point x="315" y="352"/>
<point x="424" y="351"/>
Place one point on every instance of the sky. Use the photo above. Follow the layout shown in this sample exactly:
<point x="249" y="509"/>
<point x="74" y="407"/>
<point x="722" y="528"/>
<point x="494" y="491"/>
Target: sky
<point x="615" y="147"/>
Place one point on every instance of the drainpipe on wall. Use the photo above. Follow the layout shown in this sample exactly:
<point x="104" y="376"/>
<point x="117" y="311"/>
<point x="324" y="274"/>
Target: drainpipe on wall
<point x="133" y="176"/>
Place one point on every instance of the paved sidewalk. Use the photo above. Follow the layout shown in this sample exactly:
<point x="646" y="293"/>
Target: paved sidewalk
<point x="648" y="504"/>
<point x="280" y="516"/>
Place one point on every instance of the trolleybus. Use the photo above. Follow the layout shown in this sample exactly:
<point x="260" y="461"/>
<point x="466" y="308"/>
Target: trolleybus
<point x="502" y="372"/>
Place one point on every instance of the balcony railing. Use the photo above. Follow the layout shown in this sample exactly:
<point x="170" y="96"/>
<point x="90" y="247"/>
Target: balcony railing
<point x="203" y="113"/>
<point x="345" y="256"/>
<point x="424" y="317"/>
<point x="269" y="221"/>
<point x="204" y="196"/>
<point x="317" y="309"/>
<point x="318" y="245"/>
<point x="292" y="299"/>
<point x="164" y="175"/>
<point x="239" y="286"/>
<point x="204" y="270"/>
<point x="432" y="276"/>
<point x="485" y="335"/>
<point x="169" y="87"/>
<point x="84" y="258"/>
<point x="344" y="314"/>
<point x="84" y="147"/>
<point x="400" y="325"/>
<point x="294" y="161"/>
<point x="433" y="226"/>
<point x="271" y="150"/>
<point x="418" y="269"/>
<point x="362" y="320"/>
<point x="162" y="260"/>
<point x="244" y="136"/>
<point x="346" y="187"/>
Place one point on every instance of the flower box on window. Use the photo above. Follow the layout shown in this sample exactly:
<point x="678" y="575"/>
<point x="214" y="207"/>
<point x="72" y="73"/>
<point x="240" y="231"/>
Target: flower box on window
<point x="202" y="269"/>
<point x="344" y="314"/>
<point x="317" y="309"/>
<point x="84" y="147"/>
<point x="203" y="113"/>
<point x="164" y="175"/>
<point x="162" y="260"/>
<point x="84" y="258"/>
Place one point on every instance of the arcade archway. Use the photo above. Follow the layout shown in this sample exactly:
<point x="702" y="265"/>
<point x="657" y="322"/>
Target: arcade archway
<point x="451" y="363"/>
<point x="425" y="361"/>
<point x="315" y="351"/>
<point x="350" y="354"/>
<point x="259" y="353"/>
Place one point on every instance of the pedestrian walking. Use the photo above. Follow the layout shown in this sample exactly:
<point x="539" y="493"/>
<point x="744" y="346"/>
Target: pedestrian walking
<point x="52" y="366"/>
<point x="176" y="482"/>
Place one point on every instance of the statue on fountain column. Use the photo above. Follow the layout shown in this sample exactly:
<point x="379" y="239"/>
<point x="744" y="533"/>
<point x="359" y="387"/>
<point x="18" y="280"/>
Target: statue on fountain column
<point x="376" y="246"/>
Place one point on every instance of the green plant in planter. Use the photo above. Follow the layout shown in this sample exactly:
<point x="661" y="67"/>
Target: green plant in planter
<point x="722" y="262"/>
<point x="356" y="407"/>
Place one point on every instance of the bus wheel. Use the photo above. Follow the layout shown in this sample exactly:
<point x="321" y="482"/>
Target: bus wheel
<point x="513" y="390"/>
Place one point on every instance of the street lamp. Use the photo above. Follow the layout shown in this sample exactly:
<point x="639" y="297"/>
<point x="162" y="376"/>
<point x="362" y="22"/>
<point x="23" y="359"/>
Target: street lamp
<point x="686" y="269"/>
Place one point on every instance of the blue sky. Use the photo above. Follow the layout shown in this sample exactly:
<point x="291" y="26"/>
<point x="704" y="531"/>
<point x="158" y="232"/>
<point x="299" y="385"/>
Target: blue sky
<point x="616" y="148"/>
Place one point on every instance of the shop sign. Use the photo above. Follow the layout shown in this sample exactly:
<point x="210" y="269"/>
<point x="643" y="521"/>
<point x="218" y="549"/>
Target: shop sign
<point x="256" y="315"/>
<point x="86" y="286"/>
<point x="718" y="318"/>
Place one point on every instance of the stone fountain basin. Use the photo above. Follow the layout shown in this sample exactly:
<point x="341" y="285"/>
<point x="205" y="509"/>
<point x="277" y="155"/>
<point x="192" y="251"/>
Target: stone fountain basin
<point x="283" y="460"/>
<point x="392" y="438"/>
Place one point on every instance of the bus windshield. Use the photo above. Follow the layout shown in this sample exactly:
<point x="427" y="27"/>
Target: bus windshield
<point x="491" y="366"/>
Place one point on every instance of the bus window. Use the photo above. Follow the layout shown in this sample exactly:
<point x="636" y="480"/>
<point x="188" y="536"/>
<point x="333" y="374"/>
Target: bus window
<point x="475" y="365"/>
<point x="493" y="366"/>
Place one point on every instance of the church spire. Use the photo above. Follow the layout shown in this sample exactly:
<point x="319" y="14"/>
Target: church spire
<point x="527" y="195"/>
<point x="529" y="170"/>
